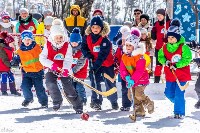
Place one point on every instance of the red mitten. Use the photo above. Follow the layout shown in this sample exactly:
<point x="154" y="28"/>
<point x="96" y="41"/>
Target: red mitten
<point x="65" y="73"/>
<point x="55" y="68"/>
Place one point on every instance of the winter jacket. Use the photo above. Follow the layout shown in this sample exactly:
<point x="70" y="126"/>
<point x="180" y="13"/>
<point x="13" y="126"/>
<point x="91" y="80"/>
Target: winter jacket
<point x="135" y="66"/>
<point x="71" y="22"/>
<point x="180" y="50"/>
<point x="6" y="53"/>
<point x="148" y="27"/>
<point x="158" y="33"/>
<point x="27" y="24"/>
<point x="98" y="47"/>
<point x="9" y="27"/>
<point x="29" y="56"/>
<point x="40" y="30"/>
<point x="80" y="64"/>
<point x="62" y="56"/>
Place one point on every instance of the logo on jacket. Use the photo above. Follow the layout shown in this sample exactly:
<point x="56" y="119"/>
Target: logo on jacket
<point x="176" y="58"/>
<point x="96" y="49"/>
<point x="59" y="56"/>
<point x="75" y="60"/>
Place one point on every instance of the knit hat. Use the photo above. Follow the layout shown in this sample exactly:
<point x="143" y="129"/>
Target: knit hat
<point x="97" y="10"/>
<point x="5" y="15"/>
<point x="48" y="20"/>
<point x="57" y="29"/>
<point x="136" y="32"/>
<point x="145" y="16"/>
<point x="161" y="11"/>
<point x="27" y="34"/>
<point x="6" y="37"/>
<point x="134" y="37"/>
<point x="23" y="10"/>
<point x="37" y="16"/>
<point x="97" y="20"/>
<point x="144" y="31"/>
<point x="46" y="12"/>
<point x="125" y="30"/>
<point x="128" y="23"/>
<point x="174" y="29"/>
<point x="75" y="36"/>
<point x="57" y="22"/>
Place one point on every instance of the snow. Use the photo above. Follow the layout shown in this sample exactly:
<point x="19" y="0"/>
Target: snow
<point x="15" y="118"/>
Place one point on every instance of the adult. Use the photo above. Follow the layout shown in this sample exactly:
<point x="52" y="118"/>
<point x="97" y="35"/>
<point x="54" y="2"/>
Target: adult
<point x="98" y="12"/>
<point x="144" y="23"/>
<point x="137" y="14"/>
<point x="26" y="22"/>
<point x="158" y="33"/>
<point x="75" y="20"/>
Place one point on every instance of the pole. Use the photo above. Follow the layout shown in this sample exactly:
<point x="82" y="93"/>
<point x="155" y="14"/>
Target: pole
<point x="197" y="21"/>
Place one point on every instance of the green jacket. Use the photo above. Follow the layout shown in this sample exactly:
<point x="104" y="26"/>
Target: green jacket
<point x="186" y="53"/>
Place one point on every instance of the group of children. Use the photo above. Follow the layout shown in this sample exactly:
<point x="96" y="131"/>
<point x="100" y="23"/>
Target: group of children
<point x="61" y="58"/>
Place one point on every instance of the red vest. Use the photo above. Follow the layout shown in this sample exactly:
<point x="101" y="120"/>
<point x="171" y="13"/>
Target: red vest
<point x="57" y="56"/>
<point x="183" y="74"/>
<point x="160" y="34"/>
<point x="82" y="73"/>
<point x="95" y="49"/>
<point x="3" y="67"/>
<point x="30" y="26"/>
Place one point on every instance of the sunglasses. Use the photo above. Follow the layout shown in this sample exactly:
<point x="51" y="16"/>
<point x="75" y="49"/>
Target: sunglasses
<point x="136" y="13"/>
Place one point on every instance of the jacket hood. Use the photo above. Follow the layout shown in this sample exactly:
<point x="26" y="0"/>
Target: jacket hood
<point x="75" y="7"/>
<point x="103" y="33"/>
<point x="173" y="47"/>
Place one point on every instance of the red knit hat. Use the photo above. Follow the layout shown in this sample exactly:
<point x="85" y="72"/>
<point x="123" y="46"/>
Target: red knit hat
<point x="5" y="16"/>
<point x="97" y="10"/>
<point x="7" y="38"/>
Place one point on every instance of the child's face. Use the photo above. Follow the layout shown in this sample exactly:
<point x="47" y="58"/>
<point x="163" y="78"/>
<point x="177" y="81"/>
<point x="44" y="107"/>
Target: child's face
<point x="143" y="35"/>
<point x="171" y="39"/>
<point x="96" y="29"/>
<point x="74" y="44"/>
<point x="24" y="15"/>
<point x="129" y="48"/>
<point x="58" y="39"/>
<point x="27" y="41"/>
<point x="143" y="21"/>
<point x="5" y="20"/>
<point x="47" y="27"/>
<point x="160" y="17"/>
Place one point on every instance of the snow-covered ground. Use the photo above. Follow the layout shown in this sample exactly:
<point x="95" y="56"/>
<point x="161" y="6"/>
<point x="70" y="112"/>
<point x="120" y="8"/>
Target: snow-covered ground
<point x="15" y="118"/>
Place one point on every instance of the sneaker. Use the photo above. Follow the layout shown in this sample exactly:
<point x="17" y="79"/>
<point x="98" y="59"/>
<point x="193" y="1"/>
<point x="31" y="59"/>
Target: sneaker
<point x="95" y="106"/>
<point x="115" y="106"/>
<point x="4" y="93"/>
<point x="197" y="105"/>
<point x="178" y="116"/>
<point x="16" y="93"/>
<point x="125" y="108"/>
<point x="57" y="106"/>
<point x="25" y="103"/>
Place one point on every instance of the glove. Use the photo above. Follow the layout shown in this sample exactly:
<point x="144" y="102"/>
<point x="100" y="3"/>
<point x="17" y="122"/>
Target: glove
<point x="55" y="68"/>
<point x="130" y="83"/>
<point x="173" y="67"/>
<point x="167" y="63"/>
<point x="65" y="73"/>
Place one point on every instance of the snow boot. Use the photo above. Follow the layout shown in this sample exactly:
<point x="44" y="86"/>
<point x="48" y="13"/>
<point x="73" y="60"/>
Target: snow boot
<point x="4" y="93"/>
<point x="125" y="108"/>
<point x="140" y="112"/>
<point x="197" y="105"/>
<point x="156" y="79"/>
<point x="44" y="105"/>
<point x="95" y="106"/>
<point x="13" y="89"/>
<point x="56" y="106"/>
<point x="115" y="106"/>
<point x="4" y="89"/>
<point x="25" y="103"/>
<point x="149" y="105"/>
<point x="178" y="116"/>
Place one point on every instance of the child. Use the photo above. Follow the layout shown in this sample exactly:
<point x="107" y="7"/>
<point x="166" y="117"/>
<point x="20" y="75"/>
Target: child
<point x="158" y="33"/>
<point x="80" y="64"/>
<point x="125" y="31"/>
<point x="133" y="71"/>
<point x="98" y="48"/>
<point x="176" y="56"/>
<point x="32" y="70"/>
<point x="57" y="57"/>
<point x="6" y="25"/>
<point x="6" y="53"/>
<point x="47" y="24"/>
<point x="148" y="45"/>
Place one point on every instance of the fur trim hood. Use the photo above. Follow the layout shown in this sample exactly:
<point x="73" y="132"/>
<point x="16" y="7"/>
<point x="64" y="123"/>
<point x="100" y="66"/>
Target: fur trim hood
<point x="103" y="33"/>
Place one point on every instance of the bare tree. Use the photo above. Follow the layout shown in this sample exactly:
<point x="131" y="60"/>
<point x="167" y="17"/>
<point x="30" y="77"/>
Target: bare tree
<point x="59" y="7"/>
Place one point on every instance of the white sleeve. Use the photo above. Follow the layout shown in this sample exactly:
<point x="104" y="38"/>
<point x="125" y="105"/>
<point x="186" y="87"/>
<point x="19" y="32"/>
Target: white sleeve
<point x="43" y="58"/>
<point x="67" y="64"/>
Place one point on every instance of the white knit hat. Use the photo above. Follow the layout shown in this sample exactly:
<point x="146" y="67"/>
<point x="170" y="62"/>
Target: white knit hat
<point x="48" y="20"/>
<point x="125" y="30"/>
<point x="57" y="22"/>
<point x="133" y="40"/>
<point x="143" y="30"/>
<point x="23" y="10"/>
<point x="57" y="28"/>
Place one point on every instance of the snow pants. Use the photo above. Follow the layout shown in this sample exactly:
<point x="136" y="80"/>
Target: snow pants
<point x="8" y="76"/>
<point x="125" y="101"/>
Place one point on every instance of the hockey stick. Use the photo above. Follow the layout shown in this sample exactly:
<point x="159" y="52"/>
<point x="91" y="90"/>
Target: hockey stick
<point x="133" y="116"/>
<point x="109" y="78"/>
<point x="179" y="85"/>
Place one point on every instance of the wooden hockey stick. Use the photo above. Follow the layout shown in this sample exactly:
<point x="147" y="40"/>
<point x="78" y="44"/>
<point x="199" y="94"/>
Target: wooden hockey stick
<point x="179" y="85"/>
<point x="109" y="78"/>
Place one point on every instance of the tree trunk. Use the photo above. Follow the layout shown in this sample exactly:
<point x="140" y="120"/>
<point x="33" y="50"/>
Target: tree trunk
<point x="113" y="12"/>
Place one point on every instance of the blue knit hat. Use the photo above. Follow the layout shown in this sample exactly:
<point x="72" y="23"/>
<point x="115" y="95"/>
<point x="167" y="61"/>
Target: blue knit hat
<point x="27" y="34"/>
<point x="174" y="29"/>
<point x="75" y="36"/>
<point x="97" y="20"/>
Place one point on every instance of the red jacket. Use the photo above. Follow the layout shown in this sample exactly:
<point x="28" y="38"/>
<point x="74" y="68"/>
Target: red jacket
<point x="82" y="72"/>
<point x="183" y="74"/>
<point x="9" y="53"/>
<point x="30" y="26"/>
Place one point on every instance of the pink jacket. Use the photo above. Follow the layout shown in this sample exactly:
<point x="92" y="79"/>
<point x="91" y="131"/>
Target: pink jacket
<point x="140" y="76"/>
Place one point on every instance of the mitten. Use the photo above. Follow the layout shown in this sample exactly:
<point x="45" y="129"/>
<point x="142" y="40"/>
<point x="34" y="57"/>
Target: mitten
<point x="65" y="73"/>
